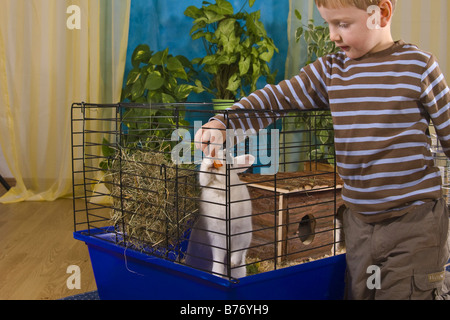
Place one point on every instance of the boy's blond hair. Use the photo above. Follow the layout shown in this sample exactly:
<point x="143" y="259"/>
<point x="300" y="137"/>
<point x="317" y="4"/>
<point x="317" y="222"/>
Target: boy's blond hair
<point x="360" y="4"/>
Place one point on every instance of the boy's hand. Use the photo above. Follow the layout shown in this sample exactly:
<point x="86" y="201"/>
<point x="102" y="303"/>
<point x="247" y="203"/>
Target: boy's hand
<point x="210" y="138"/>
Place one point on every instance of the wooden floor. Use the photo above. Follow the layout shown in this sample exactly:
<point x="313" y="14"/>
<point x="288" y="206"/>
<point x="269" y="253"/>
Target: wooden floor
<point x="36" y="248"/>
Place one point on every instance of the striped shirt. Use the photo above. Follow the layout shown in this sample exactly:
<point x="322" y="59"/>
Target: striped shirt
<point x="381" y="106"/>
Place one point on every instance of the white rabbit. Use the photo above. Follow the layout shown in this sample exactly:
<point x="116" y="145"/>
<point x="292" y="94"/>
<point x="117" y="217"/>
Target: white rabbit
<point x="339" y="234"/>
<point x="208" y="240"/>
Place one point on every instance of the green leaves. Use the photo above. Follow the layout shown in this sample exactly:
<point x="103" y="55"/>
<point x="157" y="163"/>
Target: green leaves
<point x="317" y="39"/>
<point x="141" y="54"/>
<point x="154" y="82"/>
<point x="161" y="78"/>
<point x="158" y="77"/>
<point x="238" y="48"/>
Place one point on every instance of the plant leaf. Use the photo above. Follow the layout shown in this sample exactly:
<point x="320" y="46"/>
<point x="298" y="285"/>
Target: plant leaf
<point x="244" y="65"/>
<point x="166" y="98"/>
<point x="234" y="82"/>
<point x="154" y="82"/>
<point x="193" y="12"/>
<point x="209" y="60"/>
<point x="213" y="16"/>
<point x="182" y="91"/>
<point x="137" y="90"/>
<point x="160" y="57"/>
<point x="267" y="56"/>
<point x="142" y="53"/>
<point x="133" y="76"/>
<point x="173" y="64"/>
<point x="107" y="150"/>
<point x="223" y="7"/>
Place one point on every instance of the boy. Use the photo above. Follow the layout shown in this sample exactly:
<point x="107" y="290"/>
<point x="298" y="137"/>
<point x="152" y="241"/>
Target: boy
<point x="382" y="95"/>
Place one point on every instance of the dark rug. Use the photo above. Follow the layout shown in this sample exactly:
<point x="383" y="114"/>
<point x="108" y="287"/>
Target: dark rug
<point x="93" y="295"/>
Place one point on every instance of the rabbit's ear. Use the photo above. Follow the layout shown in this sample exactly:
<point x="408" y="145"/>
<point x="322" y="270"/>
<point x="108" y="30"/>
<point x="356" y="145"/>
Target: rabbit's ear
<point x="243" y="162"/>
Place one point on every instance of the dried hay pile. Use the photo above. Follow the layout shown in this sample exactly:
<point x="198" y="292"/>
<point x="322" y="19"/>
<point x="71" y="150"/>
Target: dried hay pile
<point x="154" y="201"/>
<point x="255" y="265"/>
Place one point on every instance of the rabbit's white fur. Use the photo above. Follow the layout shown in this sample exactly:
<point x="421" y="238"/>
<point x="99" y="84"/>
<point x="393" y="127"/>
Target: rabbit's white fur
<point x="208" y="241"/>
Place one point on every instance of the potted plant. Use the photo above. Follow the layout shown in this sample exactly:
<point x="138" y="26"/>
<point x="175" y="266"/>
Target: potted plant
<point x="156" y="77"/>
<point x="318" y="43"/>
<point x="237" y="46"/>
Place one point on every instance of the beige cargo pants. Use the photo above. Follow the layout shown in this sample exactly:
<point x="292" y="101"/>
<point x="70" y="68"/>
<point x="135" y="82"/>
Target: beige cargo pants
<point x="398" y="259"/>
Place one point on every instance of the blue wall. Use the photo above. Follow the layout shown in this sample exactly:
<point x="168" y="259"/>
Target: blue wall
<point x="162" y="24"/>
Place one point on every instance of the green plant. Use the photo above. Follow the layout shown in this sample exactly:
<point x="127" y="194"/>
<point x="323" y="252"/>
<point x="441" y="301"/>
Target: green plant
<point x="155" y="78"/>
<point x="317" y="39"/>
<point x="158" y="77"/>
<point x="318" y="43"/>
<point x="238" y="49"/>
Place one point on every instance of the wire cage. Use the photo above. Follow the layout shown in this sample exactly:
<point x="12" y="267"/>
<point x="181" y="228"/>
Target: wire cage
<point x="442" y="162"/>
<point x="270" y="201"/>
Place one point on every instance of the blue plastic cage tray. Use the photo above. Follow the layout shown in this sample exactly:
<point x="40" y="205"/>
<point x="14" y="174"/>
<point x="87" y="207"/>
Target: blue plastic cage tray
<point x="123" y="273"/>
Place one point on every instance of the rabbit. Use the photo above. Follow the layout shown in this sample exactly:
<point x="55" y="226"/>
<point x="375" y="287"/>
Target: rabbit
<point x="339" y="234"/>
<point x="208" y="242"/>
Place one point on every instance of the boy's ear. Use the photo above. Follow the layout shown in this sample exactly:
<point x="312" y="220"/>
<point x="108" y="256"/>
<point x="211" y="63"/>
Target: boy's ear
<point x="386" y="12"/>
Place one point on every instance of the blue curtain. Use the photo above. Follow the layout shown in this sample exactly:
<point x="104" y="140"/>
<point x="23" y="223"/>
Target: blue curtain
<point x="161" y="24"/>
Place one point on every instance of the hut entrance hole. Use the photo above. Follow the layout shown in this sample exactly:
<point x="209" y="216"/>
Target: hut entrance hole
<point x="306" y="229"/>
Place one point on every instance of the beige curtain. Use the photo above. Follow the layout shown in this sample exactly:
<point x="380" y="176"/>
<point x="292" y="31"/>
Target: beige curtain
<point x="421" y="22"/>
<point x="45" y="67"/>
<point x="424" y="23"/>
<point x="297" y="56"/>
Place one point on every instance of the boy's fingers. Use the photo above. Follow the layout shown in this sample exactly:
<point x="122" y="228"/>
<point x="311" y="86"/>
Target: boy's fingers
<point x="201" y="139"/>
<point x="210" y="139"/>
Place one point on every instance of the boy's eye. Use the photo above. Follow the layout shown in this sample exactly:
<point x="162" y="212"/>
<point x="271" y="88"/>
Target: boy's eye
<point x="343" y="25"/>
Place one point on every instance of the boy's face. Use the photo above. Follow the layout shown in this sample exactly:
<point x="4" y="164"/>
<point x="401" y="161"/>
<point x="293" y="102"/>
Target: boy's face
<point x="349" y="30"/>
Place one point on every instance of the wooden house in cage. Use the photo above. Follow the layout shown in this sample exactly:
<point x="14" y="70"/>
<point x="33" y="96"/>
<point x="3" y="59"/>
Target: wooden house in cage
<point x="298" y="212"/>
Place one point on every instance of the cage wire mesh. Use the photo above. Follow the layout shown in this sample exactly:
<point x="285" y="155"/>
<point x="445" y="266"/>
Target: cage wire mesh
<point x="442" y="162"/>
<point x="139" y="182"/>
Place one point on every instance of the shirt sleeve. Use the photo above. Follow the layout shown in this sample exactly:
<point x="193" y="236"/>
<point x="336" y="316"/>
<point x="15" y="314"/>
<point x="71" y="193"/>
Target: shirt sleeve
<point x="308" y="90"/>
<point x="435" y="98"/>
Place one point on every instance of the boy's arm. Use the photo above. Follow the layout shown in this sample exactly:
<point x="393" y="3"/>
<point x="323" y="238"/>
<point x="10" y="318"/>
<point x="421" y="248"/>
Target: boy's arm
<point x="435" y="98"/>
<point x="307" y="90"/>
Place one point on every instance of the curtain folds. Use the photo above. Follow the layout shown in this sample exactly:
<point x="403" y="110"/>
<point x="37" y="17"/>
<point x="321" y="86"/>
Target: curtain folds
<point x="425" y="23"/>
<point x="297" y="55"/>
<point x="44" y="68"/>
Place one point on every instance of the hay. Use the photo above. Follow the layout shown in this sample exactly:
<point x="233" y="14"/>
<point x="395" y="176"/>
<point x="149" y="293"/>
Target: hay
<point x="154" y="201"/>
<point x="256" y="266"/>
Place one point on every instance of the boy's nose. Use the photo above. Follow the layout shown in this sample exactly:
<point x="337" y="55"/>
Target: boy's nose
<point x="334" y="36"/>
